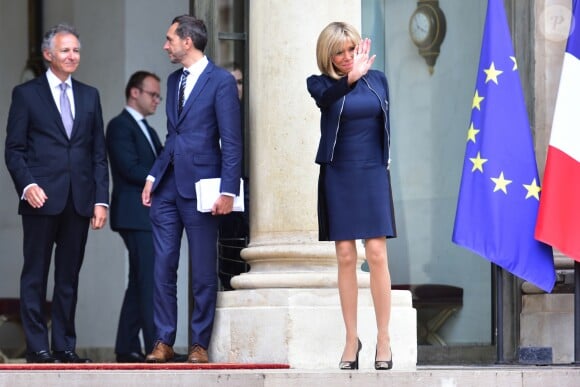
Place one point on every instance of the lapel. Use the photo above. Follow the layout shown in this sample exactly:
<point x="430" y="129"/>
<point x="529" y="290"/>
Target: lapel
<point x="45" y="95"/>
<point x="140" y="133"/>
<point x="79" y="106"/>
<point x="204" y="77"/>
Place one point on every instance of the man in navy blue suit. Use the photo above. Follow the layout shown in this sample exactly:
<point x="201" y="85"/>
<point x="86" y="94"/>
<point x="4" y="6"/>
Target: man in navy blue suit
<point x="133" y="146"/>
<point x="204" y="140"/>
<point x="56" y="155"/>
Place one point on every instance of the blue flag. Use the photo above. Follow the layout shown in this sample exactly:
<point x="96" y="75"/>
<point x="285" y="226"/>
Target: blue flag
<point x="500" y="189"/>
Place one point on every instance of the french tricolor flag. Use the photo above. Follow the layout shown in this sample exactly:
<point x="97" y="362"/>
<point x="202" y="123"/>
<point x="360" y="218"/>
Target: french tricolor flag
<point x="558" y="222"/>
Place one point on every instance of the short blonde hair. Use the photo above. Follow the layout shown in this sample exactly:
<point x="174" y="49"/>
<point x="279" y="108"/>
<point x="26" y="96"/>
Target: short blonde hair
<point x="330" y="42"/>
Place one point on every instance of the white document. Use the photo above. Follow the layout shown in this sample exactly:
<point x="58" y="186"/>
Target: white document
<point x="208" y="190"/>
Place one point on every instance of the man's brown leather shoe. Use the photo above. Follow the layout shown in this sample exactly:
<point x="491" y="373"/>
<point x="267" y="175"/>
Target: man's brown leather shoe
<point x="197" y="354"/>
<point x="162" y="353"/>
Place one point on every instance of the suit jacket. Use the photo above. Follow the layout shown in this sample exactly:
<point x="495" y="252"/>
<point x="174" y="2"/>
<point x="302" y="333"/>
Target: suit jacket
<point x="131" y="158"/>
<point x="330" y="95"/>
<point x="211" y="113"/>
<point x="39" y="151"/>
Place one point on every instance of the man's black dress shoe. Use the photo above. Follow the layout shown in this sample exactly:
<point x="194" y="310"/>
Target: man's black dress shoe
<point x="69" y="357"/>
<point x="40" y="357"/>
<point x="132" y="357"/>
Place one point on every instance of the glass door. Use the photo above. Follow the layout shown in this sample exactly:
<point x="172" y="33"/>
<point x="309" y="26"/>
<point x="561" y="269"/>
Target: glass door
<point x="430" y="112"/>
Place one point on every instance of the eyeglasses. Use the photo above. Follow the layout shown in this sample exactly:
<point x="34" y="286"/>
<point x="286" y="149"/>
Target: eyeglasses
<point x="152" y="94"/>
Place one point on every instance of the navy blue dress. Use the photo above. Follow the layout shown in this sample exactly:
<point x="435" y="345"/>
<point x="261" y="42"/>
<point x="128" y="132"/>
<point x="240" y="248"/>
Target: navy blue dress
<point x="355" y="200"/>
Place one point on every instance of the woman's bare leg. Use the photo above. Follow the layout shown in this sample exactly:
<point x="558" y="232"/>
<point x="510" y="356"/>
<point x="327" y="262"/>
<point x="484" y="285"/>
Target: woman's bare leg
<point x="348" y="290"/>
<point x="376" y="254"/>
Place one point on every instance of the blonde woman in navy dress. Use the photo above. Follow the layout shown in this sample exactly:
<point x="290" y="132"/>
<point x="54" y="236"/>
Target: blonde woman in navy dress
<point x="354" y="198"/>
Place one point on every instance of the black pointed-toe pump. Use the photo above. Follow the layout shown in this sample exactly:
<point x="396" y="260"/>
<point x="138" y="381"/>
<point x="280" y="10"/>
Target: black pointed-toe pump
<point x="384" y="365"/>
<point x="351" y="365"/>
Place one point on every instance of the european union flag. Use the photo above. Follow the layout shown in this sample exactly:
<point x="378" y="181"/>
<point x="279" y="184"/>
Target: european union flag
<point x="500" y="191"/>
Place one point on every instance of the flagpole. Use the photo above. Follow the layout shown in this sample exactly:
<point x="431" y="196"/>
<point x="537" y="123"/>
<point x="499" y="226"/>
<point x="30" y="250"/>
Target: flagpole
<point x="576" y="312"/>
<point x="499" y="314"/>
<point x="495" y="218"/>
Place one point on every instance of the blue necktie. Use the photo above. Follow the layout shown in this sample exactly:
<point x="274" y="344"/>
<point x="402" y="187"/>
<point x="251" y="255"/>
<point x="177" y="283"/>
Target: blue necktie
<point x="65" y="110"/>
<point x="182" y="84"/>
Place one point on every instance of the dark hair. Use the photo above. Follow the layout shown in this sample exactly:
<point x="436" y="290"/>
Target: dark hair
<point x="190" y="26"/>
<point x="136" y="81"/>
<point x="48" y="39"/>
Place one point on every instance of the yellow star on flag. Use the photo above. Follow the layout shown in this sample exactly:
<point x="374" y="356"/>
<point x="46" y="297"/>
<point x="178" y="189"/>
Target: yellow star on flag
<point x="477" y="101"/>
<point x="477" y="162"/>
<point x="492" y="73"/>
<point x="501" y="183"/>
<point x="533" y="190"/>
<point x="471" y="133"/>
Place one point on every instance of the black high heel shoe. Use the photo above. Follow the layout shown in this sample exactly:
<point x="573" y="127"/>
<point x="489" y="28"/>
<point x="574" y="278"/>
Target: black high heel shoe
<point x="383" y="365"/>
<point x="351" y="365"/>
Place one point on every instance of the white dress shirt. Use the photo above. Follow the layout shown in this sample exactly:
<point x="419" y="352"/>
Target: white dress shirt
<point x="54" y="84"/>
<point x="195" y="71"/>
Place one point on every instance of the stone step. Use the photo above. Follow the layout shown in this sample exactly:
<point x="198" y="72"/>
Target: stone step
<point x="423" y="376"/>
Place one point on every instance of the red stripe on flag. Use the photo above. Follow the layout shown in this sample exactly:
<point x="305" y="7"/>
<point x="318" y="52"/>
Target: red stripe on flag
<point x="558" y="222"/>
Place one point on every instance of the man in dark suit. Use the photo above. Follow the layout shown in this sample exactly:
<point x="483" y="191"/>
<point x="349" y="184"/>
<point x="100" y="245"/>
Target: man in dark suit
<point x="56" y="155"/>
<point x="203" y="141"/>
<point x="133" y="146"/>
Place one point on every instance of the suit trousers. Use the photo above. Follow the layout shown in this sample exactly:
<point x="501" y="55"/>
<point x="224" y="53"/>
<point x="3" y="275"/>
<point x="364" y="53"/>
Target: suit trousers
<point x="170" y="215"/>
<point x="137" y="310"/>
<point x="68" y="231"/>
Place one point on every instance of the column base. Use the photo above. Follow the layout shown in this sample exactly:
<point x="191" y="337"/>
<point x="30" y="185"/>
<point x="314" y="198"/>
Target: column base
<point x="324" y="279"/>
<point x="304" y="328"/>
<point x="294" y="265"/>
<point x="547" y="321"/>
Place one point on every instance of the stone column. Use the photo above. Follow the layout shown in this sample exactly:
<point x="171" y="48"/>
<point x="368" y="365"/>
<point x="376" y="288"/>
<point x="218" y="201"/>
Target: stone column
<point x="284" y="129"/>
<point x="286" y="308"/>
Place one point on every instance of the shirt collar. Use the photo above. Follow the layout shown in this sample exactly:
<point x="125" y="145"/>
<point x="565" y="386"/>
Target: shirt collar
<point x="134" y="113"/>
<point x="53" y="80"/>
<point x="197" y="68"/>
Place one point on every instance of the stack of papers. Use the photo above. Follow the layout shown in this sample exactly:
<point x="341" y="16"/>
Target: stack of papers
<point x="208" y="190"/>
